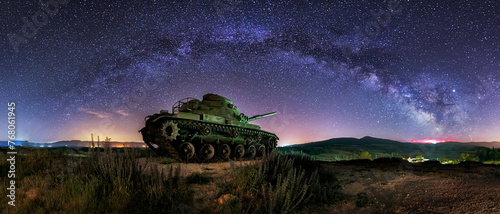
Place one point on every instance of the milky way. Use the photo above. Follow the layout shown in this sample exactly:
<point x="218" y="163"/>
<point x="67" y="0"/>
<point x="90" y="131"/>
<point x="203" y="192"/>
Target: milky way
<point x="394" y="69"/>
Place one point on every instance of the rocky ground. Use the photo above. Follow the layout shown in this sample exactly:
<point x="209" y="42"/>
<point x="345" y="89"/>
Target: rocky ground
<point x="386" y="186"/>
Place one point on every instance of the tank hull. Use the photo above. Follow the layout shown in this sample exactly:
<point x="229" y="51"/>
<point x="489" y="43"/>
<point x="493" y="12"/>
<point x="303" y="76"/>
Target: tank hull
<point x="191" y="137"/>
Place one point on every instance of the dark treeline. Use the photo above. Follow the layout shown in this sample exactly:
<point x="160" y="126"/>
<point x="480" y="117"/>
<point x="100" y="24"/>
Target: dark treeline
<point x="490" y="155"/>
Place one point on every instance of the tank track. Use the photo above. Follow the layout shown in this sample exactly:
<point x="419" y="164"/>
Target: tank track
<point x="190" y="130"/>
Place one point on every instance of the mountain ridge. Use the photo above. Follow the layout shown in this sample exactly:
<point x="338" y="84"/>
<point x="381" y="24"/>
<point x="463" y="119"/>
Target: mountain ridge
<point x="336" y="148"/>
<point x="370" y="139"/>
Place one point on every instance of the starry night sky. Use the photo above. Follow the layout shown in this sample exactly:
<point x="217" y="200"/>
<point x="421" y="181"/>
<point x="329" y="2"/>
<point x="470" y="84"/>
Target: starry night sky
<point x="393" y="69"/>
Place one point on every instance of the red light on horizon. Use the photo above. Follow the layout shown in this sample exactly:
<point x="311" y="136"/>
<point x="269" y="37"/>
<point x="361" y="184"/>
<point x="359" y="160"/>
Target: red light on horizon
<point x="433" y="141"/>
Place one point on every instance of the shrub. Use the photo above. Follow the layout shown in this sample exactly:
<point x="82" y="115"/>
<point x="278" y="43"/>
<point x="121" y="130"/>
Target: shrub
<point x="362" y="200"/>
<point x="197" y="178"/>
<point x="283" y="184"/>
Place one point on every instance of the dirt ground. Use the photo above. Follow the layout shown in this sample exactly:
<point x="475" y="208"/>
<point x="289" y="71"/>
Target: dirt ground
<point x="206" y="195"/>
<point x="384" y="188"/>
<point x="418" y="188"/>
<point x="214" y="170"/>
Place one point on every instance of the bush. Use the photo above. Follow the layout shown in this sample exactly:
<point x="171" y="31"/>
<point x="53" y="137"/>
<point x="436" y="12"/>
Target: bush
<point x="362" y="200"/>
<point x="197" y="178"/>
<point x="283" y="184"/>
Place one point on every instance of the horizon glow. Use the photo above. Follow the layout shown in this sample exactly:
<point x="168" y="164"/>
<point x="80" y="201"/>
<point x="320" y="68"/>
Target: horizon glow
<point x="431" y="141"/>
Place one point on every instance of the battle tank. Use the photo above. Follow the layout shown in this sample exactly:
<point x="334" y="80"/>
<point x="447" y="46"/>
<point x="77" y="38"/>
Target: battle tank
<point x="208" y="130"/>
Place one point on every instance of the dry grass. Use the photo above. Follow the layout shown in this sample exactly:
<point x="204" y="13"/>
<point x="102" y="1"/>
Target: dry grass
<point x="104" y="182"/>
<point x="279" y="184"/>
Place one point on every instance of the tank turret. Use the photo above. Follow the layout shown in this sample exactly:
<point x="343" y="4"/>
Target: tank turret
<point x="207" y="130"/>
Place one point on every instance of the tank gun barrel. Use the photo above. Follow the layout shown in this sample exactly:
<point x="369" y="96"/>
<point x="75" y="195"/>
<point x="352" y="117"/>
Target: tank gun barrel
<point x="261" y="116"/>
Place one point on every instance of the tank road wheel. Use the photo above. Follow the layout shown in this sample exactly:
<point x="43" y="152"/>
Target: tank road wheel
<point x="224" y="151"/>
<point x="258" y="137"/>
<point x="205" y="131"/>
<point x="186" y="150"/>
<point x="207" y="151"/>
<point x="272" y="143"/>
<point x="262" y="150"/>
<point x="252" y="151"/>
<point x="170" y="130"/>
<point x="235" y="134"/>
<point x="239" y="151"/>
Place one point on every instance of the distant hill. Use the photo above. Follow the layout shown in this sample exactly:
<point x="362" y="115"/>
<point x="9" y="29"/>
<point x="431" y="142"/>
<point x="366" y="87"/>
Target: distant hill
<point x="494" y="144"/>
<point x="74" y="143"/>
<point x="350" y="141"/>
<point x="340" y="147"/>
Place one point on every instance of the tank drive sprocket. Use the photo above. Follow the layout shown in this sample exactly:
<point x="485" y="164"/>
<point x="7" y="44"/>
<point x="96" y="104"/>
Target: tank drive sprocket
<point x="170" y="130"/>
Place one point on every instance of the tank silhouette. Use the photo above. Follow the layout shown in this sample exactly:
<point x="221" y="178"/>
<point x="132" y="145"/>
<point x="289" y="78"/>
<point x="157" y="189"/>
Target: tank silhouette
<point x="208" y="130"/>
